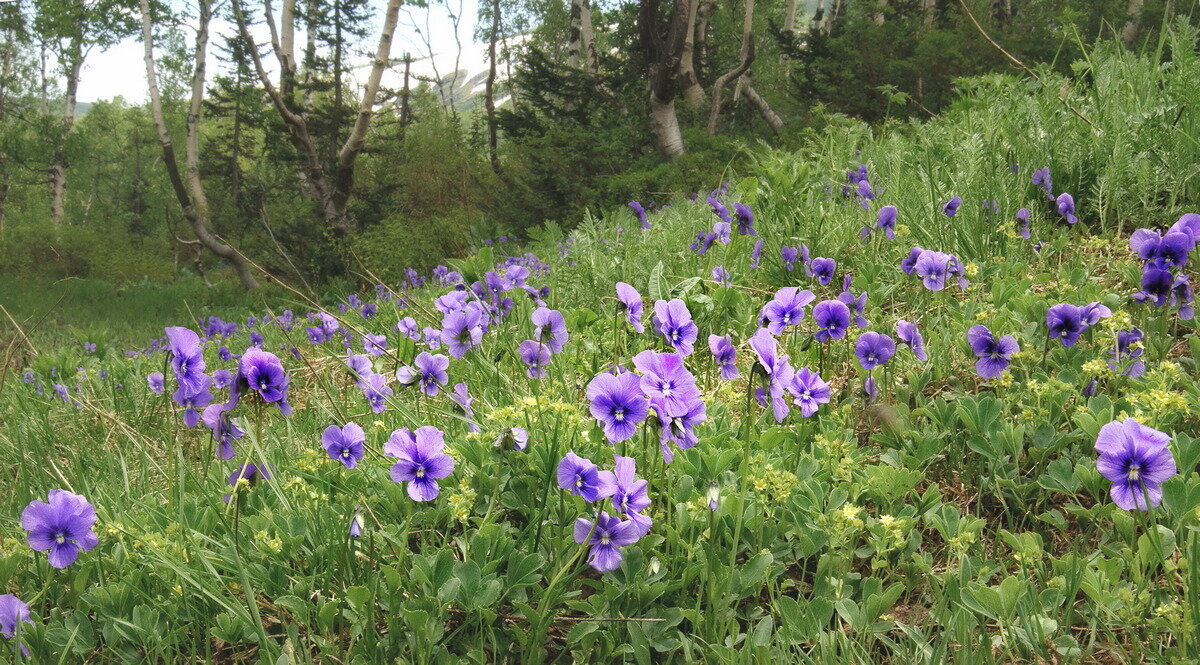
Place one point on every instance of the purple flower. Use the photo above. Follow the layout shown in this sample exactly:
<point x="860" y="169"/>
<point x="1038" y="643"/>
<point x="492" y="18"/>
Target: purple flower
<point x="679" y="427"/>
<point x="513" y="438"/>
<point x="375" y="345"/>
<point x="250" y="473"/>
<point x="1023" y="218"/>
<point x="63" y="526"/>
<point x="785" y="309"/>
<point x="1041" y="178"/>
<point x="745" y="219"/>
<point x="721" y="276"/>
<point x="789" y="256"/>
<point x="155" y="380"/>
<point x="674" y="322"/>
<point x="369" y="310"/>
<point x="262" y="372"/>
<point x="951" y="207"/>
<point x="192" y="403"/>
<point x="1124" y="352"/>
<point x="1163" y="251"/>
<point x="376" y="390"/>
<point x="720" y="210"/>
<point x="870" y="389"/>
<point x="13" y="612"/>
<point x="641" y="214"/>
<point x="536" y="356"/>
<point x="463" y="400"/>
<point x="422" y="460"/>
<point x="777" y="368"/>
<point x="1136" y="459"/>
<point x="462" y="330"/>
<point x="344" y="444"/>
<point x="89" y="347"/>
<point x="581" y="477"/>
<point x="408" y="327"/>
<point x="224" y="430"/>
<point x="756" y="254"/>
<point x="553" y="319"/>
<point x="665" y="380"/>
<point x="724" y="354"/>
<point x="874" y="349"/>
<point x="187" y="360"/>
<point x="362" y="368"/>
<point x="1066" y="207"/>
<point x="823" y="269"/>
<point x="356" y="525"/>
<point x="222" y="378"/>
<point x="1067" y="322"/>
<point x="833" y="317"/>
<point x="887" y="221"/>
<point x="430" y="370"/>
<point x="631" y="496"/>
<point x="809" y="391"/>
<point x="605" y="536"/>
<point x="1189" y="224"/>
<point x="909" y="264"/>
<point x="617" y="404"/>
<point x="932" y="267"/>
<point x="858" y="306"/>
<point x="631" y="301"/>
<point x="994" y="354"/>
<point x="1156" y="285"/>
<point x="907" y="332"/>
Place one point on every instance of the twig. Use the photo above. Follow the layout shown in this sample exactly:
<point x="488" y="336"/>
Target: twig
<point x="1021" y="65"/>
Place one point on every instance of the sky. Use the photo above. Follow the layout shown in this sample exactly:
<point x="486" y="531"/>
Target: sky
<point x="120" y="71"/>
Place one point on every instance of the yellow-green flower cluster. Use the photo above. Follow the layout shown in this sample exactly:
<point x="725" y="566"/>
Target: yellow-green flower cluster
<point x="772" y="485"/>
<point x="462" y="500"/>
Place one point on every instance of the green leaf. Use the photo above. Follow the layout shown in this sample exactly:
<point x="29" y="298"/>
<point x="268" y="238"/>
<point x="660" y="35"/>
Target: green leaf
<point x="656" y="288"/>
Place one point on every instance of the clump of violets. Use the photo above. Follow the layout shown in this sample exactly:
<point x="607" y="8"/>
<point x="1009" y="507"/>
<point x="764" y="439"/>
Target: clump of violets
<point x="673" y="395"/>
<point x="617" y="404"/>
<point x="1136" y="460"/>
<point x="581" y="477"/>
<point x="630" y="301"/>
<point x="994" y="354"/>
<point x="1066" y="322"/>
<point x="673" y="321"/>
<point x="421" y="460"/>
<point x="908" y="333"/>
<point x="725" y="355"/>
<point x="344" y="444"/>
<point x="13" y="613"/>
<point x="462" y="330"/>
<point x="536" y="356"/>
<point x="61" y="526"/>
<point x="377" y="391"/>
<point x="428" y="369"/>
<point x="874" y="349"/>
<point x="224" y="430"/>
<point x="721" y="276"/>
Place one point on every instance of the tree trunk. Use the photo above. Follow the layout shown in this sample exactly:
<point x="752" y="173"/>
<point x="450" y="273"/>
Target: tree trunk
<point x="789" y="17"/>
<point x="331" y="194"/>
<point x="662" y="72"/>
<point x="58" y="168"/>
<point x="191" y="195"/>
<point x="490" y="89"/>
<point x="818" y="17"/>
<point x="692" y="91"/>
<point x="743" y="66"/>
<point x="764" y="109"/>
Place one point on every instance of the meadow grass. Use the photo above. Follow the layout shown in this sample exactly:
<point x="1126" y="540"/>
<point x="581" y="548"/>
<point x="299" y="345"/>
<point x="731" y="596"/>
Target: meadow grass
<point x="947" y="519"/>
